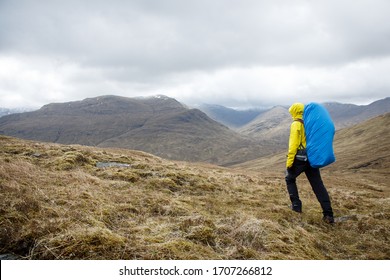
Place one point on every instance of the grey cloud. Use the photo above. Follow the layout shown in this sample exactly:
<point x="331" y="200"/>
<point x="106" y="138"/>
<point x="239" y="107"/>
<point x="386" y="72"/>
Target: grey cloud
<point x="195" y="34"/>
<point x="146" y="46"/>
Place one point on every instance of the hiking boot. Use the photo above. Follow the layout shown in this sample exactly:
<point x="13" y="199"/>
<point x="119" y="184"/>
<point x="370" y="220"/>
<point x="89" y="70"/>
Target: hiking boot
<point x="296" y="208"/>
<point x="328" y="219"/>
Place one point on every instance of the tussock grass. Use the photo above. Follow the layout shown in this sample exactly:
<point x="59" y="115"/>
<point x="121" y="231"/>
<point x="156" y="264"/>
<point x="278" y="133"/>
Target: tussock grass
<point x="56" y="204"/>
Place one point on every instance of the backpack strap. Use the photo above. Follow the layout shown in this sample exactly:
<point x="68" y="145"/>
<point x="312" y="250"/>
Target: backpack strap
<point x="299" y="120"/>
<point x="300" y="145"/>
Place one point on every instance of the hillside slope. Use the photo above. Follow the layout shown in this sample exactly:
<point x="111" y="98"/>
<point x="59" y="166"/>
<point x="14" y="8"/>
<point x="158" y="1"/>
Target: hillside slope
<point x="77" y="202"/>
<point x="364" y="147"/>
<point x="190" y="136"/>
<point x="158" y="125"/>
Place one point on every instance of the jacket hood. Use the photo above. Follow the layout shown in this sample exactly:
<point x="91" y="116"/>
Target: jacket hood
<point x="296" y="110"/>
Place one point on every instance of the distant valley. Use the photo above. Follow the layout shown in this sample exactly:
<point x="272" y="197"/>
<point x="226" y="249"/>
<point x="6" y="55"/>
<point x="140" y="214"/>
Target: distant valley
<point x="232" y="118"/>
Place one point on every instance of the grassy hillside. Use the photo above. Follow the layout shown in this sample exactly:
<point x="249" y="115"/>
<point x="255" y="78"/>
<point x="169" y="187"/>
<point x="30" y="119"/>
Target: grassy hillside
<point x="60" y="202"/>
<point x="364" y="147"/>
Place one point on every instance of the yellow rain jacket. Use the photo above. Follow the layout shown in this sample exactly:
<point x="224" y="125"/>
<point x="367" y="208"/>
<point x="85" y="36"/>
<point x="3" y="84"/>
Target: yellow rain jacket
<point x="297" y="133"/>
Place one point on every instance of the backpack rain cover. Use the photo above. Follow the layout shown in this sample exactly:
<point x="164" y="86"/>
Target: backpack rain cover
<point x="319" y="130"/>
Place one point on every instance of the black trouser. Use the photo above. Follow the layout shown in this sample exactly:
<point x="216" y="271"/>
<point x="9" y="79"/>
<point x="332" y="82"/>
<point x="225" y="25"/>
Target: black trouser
<point x="314" y="177"/>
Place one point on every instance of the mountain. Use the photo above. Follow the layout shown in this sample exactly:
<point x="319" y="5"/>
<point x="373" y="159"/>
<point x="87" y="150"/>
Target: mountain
<point x="230" y="117"/>
<point x="89" y="122"/>
<point x="158" y="125"/>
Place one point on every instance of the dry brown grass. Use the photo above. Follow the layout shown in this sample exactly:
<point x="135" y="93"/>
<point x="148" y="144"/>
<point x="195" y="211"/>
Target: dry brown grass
<point x="56" y="204"/>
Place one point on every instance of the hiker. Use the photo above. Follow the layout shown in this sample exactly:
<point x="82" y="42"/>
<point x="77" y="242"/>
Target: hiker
<point x="295" y="167"/>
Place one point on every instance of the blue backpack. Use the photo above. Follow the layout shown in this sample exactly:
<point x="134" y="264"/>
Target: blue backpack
<point x="319" y="130"/>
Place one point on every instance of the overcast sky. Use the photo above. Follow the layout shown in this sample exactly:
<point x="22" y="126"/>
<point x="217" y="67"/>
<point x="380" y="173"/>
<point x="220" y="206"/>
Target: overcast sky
<point x="247" y="53"/>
